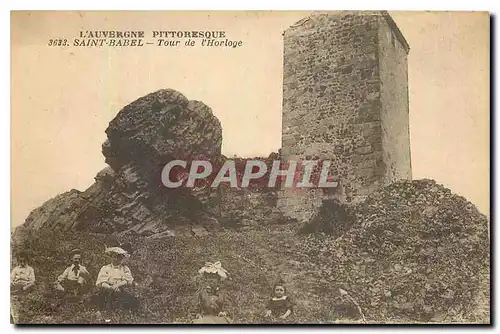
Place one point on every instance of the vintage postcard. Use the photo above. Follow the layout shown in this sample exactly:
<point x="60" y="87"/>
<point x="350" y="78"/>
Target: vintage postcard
<point x="250" y="167"/>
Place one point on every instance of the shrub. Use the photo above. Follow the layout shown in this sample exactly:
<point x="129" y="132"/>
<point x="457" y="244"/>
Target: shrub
<point x="333" y="218"/>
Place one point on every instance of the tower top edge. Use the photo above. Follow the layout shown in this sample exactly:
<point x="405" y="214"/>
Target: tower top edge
<point x="381" y="13"/>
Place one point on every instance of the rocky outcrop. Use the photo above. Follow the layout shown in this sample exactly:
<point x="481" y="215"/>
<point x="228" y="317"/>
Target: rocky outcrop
<point x="161" y="126"/>
<point x="128" y="196"/>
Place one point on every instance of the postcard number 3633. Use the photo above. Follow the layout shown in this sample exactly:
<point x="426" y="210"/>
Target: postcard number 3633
<point x="58" y="42"/>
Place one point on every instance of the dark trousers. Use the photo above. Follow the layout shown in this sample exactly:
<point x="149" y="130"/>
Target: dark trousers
<point x="107" y="299"/>
<point x="17" y="288"/>
<point x="72" y="287"/>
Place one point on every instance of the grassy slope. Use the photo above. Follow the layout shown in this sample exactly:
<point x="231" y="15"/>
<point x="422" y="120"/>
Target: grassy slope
<point x="165" y="270"/>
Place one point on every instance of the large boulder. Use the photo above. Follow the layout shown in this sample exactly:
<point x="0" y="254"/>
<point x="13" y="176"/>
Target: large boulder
<point x="161" y="126"/>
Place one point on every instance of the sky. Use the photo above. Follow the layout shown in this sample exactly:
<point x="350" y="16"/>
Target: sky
<point x="62" y="99"/>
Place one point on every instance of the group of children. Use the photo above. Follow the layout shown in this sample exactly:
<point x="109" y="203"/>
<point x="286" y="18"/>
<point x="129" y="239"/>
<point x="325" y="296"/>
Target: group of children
<point x="114" y="281"/>
<point x="112" y="284"/>
<point x="212" y="301"/>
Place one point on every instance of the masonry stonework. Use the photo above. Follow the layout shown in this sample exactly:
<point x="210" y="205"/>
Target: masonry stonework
<point x="345" y="99"/>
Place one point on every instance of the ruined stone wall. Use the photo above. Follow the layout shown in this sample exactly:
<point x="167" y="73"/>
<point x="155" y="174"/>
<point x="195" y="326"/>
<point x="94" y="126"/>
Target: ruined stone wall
<point x="245" y="206"/>
<point x="393" y="62"/>
<point x="300" y="204"/>
<point x="332" y="104"/>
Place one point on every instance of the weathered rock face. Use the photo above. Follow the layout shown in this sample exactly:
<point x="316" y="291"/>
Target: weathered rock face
<point x="161" y="126"/>
<point x="128" y="195"/>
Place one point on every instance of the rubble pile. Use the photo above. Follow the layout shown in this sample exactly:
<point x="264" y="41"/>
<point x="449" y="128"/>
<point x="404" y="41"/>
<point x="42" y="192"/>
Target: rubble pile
<point x="416" y="251"/>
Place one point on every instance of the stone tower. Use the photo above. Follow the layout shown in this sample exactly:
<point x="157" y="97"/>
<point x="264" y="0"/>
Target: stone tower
<point x="345" y="99"/>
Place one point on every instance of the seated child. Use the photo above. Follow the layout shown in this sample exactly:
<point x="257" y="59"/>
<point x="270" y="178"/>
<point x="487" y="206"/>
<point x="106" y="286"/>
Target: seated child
<point x="22" y="277"/>
<point x="211" y="300"/>
<point x="279" y="305"/>
<point x="114" y="282"/>
<point x="74" y="277"/>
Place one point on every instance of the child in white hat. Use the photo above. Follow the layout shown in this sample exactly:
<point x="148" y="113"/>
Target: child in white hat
<point x="114" y="282"/>
<point x="212" y="301"/>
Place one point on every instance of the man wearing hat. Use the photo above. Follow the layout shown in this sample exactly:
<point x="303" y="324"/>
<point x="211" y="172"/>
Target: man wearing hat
<point x="114" y="281"/>
<point x="74" y="277"/>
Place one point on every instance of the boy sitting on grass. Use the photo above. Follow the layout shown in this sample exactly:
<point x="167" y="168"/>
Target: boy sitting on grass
<point x="74" y="277"/>
<point x="22" y="277"/>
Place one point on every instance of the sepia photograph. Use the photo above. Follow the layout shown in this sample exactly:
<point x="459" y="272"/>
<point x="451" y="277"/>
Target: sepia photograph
<point x="250" y="167"/>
